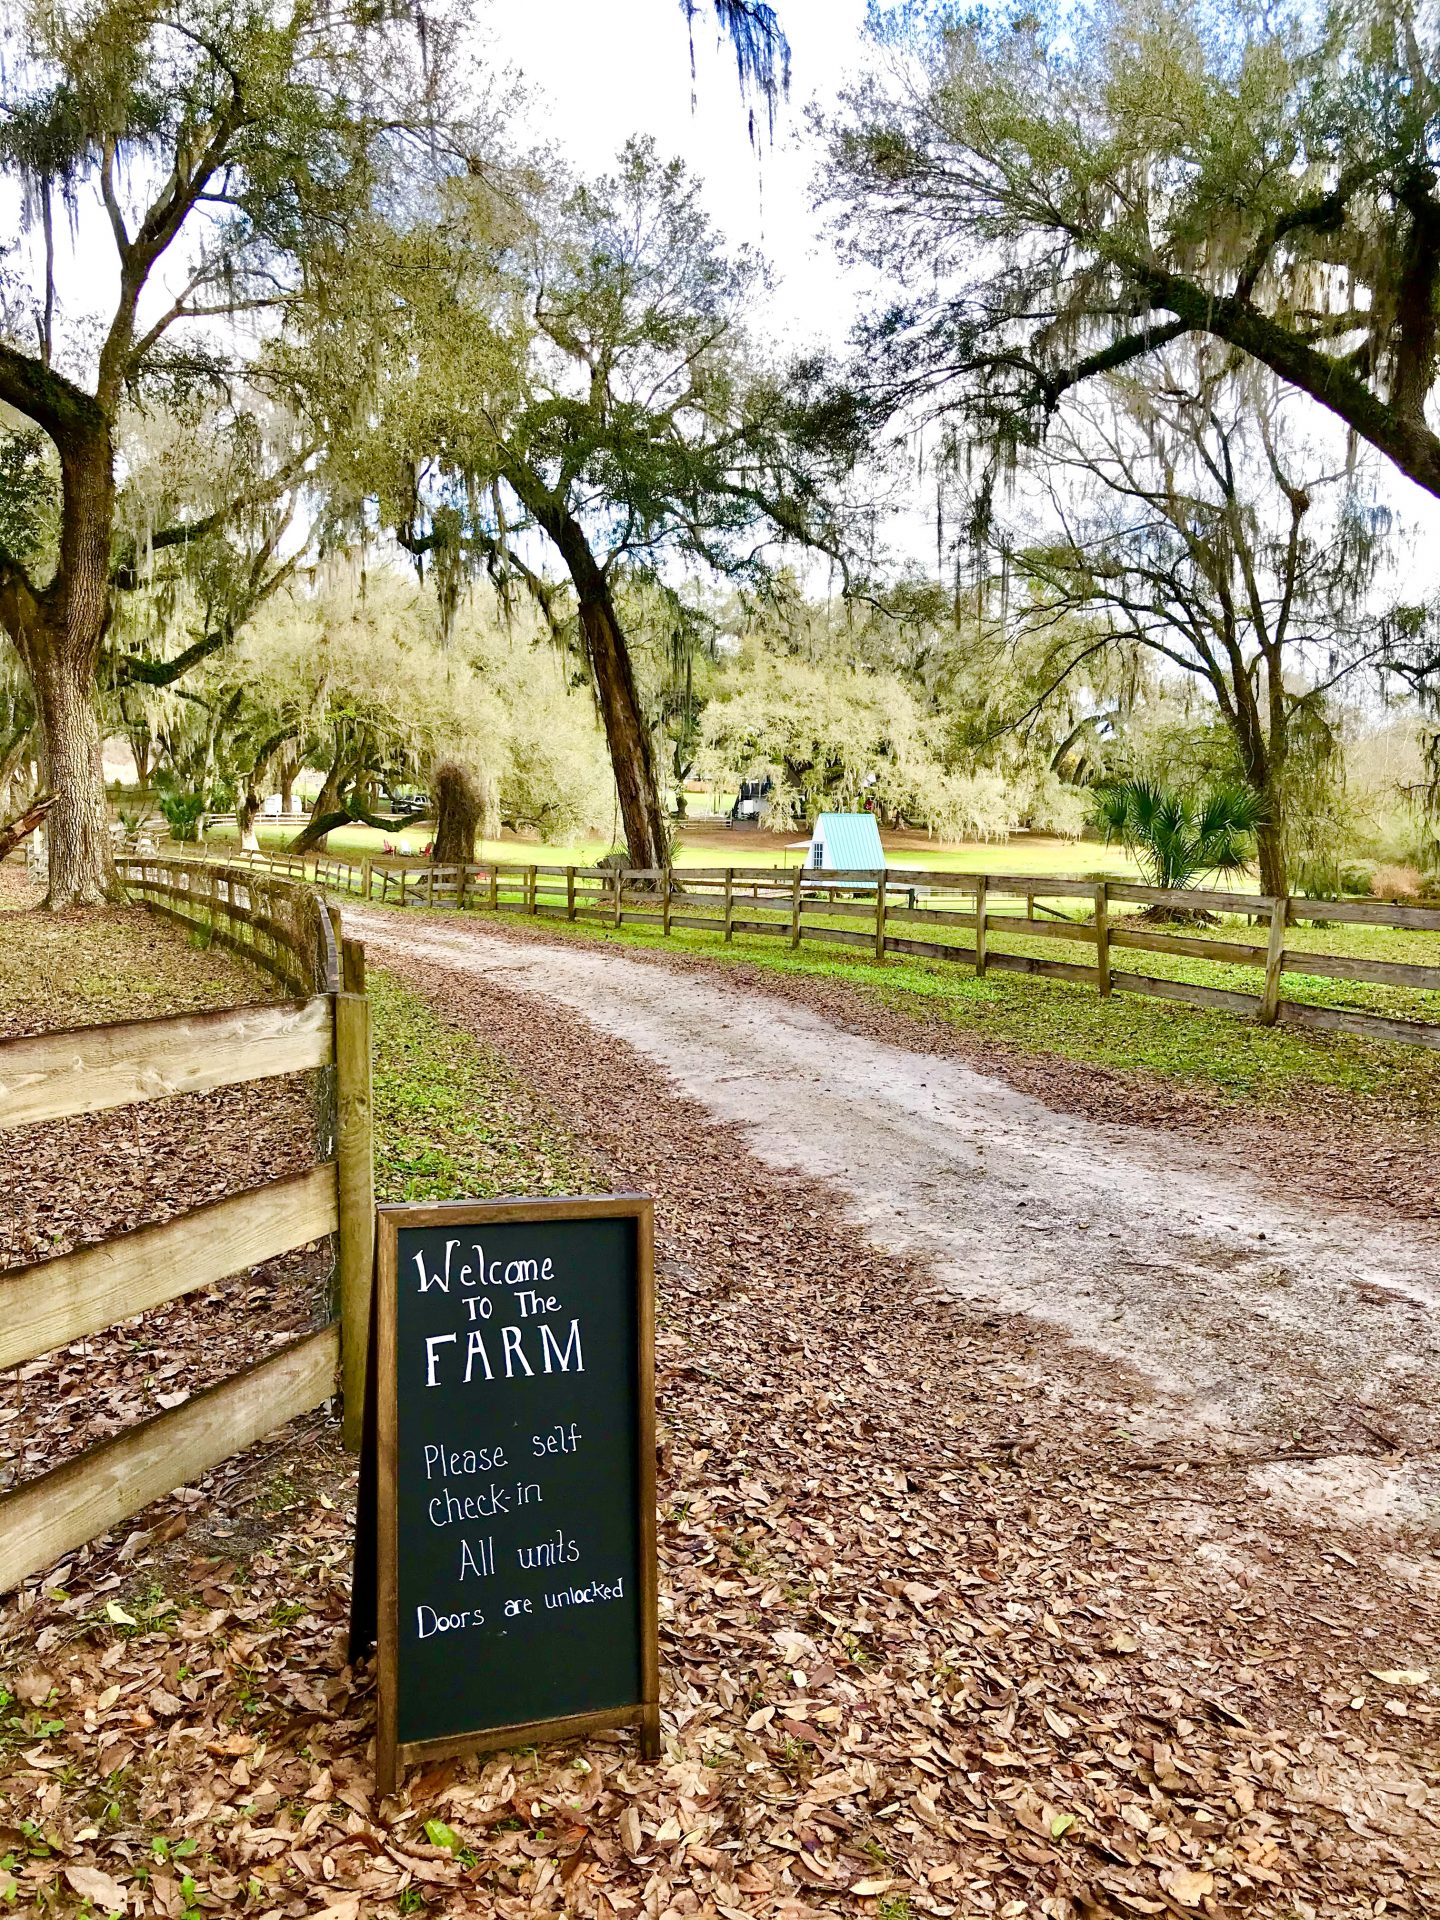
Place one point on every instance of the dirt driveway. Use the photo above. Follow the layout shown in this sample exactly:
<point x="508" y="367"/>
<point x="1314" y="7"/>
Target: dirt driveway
<point x="1196" y="1300"/>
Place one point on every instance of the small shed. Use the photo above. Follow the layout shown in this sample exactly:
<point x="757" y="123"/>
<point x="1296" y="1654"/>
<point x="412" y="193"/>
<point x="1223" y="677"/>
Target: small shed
<point x="846" y="843"/>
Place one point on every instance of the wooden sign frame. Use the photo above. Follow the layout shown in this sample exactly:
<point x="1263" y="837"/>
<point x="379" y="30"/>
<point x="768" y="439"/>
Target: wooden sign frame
<point x="392" y="1755"/>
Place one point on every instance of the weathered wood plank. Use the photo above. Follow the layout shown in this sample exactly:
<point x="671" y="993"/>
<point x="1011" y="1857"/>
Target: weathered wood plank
<point x="1368" y="1026"/>
<point x="1183" y="990"/>
<point x="1368" y="913"/>
<point x="1192" y="899"/>
<point x="88" y="1495"/>
<point x="1187" y="946"/>
<point x="933" y="916"/>
<point x="1346" y="966"/>
<point x="1009" y="923"/>
<point x="1035" y="886"/>
<point x="997" y="962"/>
<point x="53" y="1302"/>
<point x="1102" y="938"/>
<point x="926" y="949"/>
<point x="355" y="1163"/>
<point x="1274" y="956"/>
<point x="91" y="1069"/>
<point x="982" y="922"/>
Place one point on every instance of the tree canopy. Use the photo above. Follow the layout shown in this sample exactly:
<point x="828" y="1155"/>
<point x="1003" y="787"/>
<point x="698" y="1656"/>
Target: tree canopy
<point x="1064" y="191"/>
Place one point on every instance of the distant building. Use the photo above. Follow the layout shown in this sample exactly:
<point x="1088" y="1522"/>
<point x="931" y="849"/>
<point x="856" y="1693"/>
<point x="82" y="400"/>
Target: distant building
<point x="846" y="843"/>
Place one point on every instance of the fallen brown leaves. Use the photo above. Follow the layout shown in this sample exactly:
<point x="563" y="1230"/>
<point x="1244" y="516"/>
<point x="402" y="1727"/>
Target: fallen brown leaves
<point x="115" y="963"/>
<point x="927" y="1650"/>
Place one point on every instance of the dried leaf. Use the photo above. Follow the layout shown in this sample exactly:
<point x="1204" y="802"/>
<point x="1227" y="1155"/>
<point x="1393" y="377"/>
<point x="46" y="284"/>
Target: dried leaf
<point x="91" y="1884"/>
<point x="1188" y="1885"/>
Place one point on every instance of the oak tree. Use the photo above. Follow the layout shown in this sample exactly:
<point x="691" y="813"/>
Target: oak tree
<point x="201" y="154"/>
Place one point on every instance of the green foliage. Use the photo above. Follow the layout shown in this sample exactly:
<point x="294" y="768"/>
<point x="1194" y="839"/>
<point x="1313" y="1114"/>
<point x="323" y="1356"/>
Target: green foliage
<point x="29" y="497"/>
<point x="1178" y="839"/>
<point x="182" y="812"/>
<point x="451" y="1117"/>
<point x="1287" y="160"/>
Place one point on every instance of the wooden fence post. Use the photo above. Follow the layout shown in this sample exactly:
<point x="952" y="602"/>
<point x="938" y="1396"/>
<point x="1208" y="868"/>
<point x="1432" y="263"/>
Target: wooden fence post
<point x="795" y="907"/>
<point x="980" y="909"/>
<point x="494" y="887"/>
<point x="729" y="903"/>
<point x="352" y="966"/>
<point x="532" y="905"/>
<point x="880" y="918"/>
<point x="665" y="905"/>
<point x="1274" y="956"/>
<point x="1102" y="936"/>
<point x="619" y="893"/>
<point x="355" y="1171"/>
<point x="464" y="875"/>
<point x="569" y="893"/>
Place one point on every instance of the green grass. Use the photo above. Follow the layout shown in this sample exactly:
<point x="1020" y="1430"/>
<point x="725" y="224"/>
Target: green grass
<point x="1019" y="1014"/>
<point x="711" y="847"/>
<point x="451" y="1119"/>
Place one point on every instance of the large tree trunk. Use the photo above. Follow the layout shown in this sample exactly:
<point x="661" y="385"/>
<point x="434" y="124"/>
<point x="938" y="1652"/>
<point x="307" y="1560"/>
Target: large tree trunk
<point x="58" y="632"/>
<point x="82" y="859"/>
<point x="459" y="804"/>
<point x="247" y="812"/>
<point x="632" y="753"/>
<point x="1270" y="841"/>
<point x="327" y="806"/>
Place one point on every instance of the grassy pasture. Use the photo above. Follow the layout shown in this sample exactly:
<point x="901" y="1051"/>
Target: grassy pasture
<point x="706" y="842"/>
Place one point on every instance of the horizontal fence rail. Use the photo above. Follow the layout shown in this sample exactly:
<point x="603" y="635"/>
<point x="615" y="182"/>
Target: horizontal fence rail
<point x="86" y="1496"/>
<point x="1088" y="926"/>
<point x="52" y="1076"/>
<point x="53" y="1302"/>
<point x="269" y="919"/>
<point x="285" y="928"/>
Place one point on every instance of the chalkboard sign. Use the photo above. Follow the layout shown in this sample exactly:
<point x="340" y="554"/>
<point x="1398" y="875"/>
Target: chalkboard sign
<point x="514" y="1475"/>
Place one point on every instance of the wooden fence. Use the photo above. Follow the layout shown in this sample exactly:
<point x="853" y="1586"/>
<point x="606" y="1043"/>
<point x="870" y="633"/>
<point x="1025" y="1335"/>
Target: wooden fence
<point x="918" y="912"/>
<point x="287" y="930"/>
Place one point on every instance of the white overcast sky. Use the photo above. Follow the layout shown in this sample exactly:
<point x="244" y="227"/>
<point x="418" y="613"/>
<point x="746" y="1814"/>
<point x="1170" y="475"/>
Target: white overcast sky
<point x="602" y="72"/>
<point x="599" y="72"/>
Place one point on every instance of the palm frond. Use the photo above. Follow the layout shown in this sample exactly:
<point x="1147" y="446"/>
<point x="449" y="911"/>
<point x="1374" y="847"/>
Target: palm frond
<point x="1176" y="839"/>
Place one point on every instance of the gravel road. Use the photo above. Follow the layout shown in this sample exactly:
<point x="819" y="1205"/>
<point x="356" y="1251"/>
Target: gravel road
<point x="1253" y="1320"/>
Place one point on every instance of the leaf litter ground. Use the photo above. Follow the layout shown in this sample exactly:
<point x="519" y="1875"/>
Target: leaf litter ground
<point x="931" y="1644"/>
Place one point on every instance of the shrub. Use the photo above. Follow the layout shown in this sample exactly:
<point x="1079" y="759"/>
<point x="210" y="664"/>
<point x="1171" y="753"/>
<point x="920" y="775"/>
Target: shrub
<point x="182" y="813"/>
<point x="1178" y="838"/>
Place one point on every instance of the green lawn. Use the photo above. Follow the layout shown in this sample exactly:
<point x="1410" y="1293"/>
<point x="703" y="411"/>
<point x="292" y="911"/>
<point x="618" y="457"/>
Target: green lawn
<point x="452" y="1117"/>
<point x="709" y="845"/>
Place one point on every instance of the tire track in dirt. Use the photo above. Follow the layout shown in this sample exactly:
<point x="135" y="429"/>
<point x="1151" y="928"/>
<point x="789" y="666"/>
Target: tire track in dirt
<point x="1253" y="1319"/>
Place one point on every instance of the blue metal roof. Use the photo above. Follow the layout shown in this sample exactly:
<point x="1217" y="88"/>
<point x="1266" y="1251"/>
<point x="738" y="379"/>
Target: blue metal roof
<point x="851" y="842"/>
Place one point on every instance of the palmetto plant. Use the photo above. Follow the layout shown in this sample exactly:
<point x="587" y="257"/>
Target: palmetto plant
<point x="1177" y="838"/>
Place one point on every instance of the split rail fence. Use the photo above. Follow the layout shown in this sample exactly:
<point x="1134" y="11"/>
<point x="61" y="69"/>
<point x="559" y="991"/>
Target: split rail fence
<point x="286" y="930"/>
<point x="920" y="912"/>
